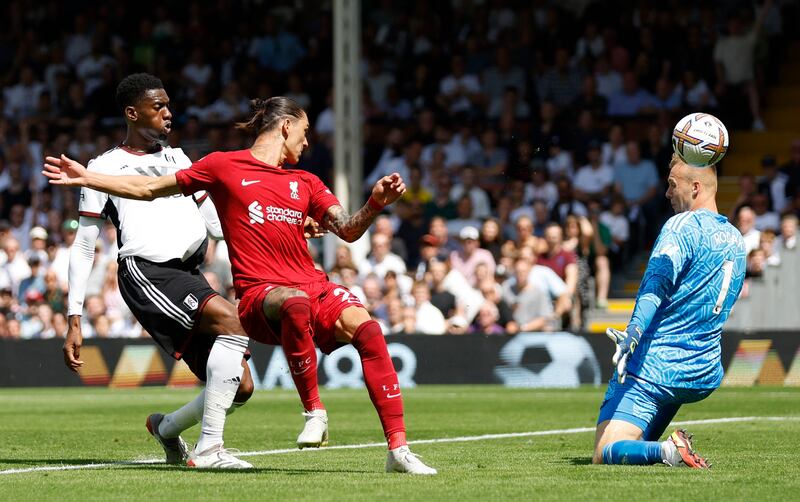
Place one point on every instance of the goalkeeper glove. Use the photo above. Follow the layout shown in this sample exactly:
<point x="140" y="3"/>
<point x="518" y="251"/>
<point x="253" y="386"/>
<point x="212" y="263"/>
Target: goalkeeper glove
<point x="626" y="342"/>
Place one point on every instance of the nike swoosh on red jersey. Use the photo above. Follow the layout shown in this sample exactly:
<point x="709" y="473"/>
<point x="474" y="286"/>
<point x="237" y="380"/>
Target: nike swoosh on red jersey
<point x="390" y="396"/>
<point x="247" y="183"/>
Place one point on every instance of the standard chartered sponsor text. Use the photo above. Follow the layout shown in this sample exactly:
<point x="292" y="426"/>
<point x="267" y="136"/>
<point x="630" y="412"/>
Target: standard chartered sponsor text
<point x="290" y="216"/>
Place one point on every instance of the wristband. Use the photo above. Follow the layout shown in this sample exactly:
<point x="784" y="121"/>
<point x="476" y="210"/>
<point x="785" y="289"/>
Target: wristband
<point x="371" y="202"/>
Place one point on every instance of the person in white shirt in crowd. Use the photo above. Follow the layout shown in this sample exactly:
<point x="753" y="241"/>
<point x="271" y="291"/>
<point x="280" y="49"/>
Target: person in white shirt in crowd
<point x="617" y="223"/>
<point x="198" y="72"/>
<point x="596" y="179"/>
<point x="481" y="206"/>
<point x="788" y="237"/>
<point x="471" y="256"/>
<point x="504" y="74"/>
<point x="38" y="246"/>
<point x="615" y="150"/>
<point x="765" y="219"/>
<point x="459" y="91"/>
<point x="90" y="68"/>
<point x="16" y="265"/>
<point x="378" y="80"/>
<point x="384" y="225"/>
<point x="734" y="55"/>
<point x="697" y="95"/>
<point x="22" y="98"/>
<point x="559" y="160"/>
<point x="232" y="104"/>
<point x="532" y="309"/>
<point x="60" y="263"/>
<point x="609" y="81"/>
<point x="390" y="159"/>
<point x="511" y="104"/>
<point x="467" y="299"/>
<point x="454" y="151"/>
<point x="381" y="259"/>
<point x="746" y="223"/>
<point x="429" y="320"/>
<point x="540" y="188"/>
<point x="465" y="217"/>
<point x="20" y="225"/>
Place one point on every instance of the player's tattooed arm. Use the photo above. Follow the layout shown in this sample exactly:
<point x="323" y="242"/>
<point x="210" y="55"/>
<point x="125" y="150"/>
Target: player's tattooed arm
<point x="350" y="227"/>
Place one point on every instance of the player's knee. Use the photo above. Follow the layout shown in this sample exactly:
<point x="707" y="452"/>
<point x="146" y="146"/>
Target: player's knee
<point x="276" y="301"/>
<point x="296" y="311"/>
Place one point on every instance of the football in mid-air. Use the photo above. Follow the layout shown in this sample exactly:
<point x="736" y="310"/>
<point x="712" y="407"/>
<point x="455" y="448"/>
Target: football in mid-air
<point x="700" y="139"/>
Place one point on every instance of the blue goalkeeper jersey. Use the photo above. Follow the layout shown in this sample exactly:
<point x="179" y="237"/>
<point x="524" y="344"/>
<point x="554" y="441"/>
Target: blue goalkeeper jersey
<point x="693" y="278"/>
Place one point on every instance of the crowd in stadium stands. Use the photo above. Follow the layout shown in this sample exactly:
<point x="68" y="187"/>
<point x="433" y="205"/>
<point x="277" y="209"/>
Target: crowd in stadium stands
<point x="534" y="137"/>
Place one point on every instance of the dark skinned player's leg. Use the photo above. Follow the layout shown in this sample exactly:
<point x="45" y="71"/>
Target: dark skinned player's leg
<point x="225" y="369"/>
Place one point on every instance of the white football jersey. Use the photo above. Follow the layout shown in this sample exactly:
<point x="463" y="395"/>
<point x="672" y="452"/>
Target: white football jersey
<point x="158" y="230"/>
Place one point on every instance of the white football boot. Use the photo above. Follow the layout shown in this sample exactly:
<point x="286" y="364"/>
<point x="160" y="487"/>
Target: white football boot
<point x="402" y="460"/>
<point x="216" y="457"/>
<point x="315" y="432"/>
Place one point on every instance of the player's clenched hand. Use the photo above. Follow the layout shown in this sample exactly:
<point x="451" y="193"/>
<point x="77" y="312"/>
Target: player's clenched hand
<point x="626" y="342"/>
<point x="64" y="171"/>
<point x="388" y="189"/>
<point x="312" y="229"/>
<point x="72" y="346"/>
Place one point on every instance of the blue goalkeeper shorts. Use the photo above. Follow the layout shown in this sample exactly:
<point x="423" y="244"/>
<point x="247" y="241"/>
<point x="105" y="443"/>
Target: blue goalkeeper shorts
<point x="648" y="406"/>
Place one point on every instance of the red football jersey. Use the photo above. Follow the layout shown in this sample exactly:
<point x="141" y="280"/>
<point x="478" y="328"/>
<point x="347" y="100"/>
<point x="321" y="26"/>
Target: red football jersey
<point x="262" y="209"/>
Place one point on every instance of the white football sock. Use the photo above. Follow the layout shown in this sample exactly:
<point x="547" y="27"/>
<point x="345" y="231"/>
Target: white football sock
<point x="223" y="375"/>
<point x="184" y="417"/>
<point x="187" y="416"/>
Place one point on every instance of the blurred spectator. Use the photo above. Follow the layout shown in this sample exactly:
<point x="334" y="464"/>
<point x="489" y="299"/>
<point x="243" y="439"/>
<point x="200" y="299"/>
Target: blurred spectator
<point x="16" y="266"/>
<point x="696" y="93"/>
<point x="747" y="189"/>
<point x="756" y="263"/>
<point x="471" y="255"/>
<point x="609" y="81"/>
<point x="788" y="237"/>
<point x="501" y="76"/>
<point x="486" y="322"/>
<point x="617" y="223"/>
<point x="615" y="150"/>
<point x="531" y="308"/>
<point x="383" y="225"/>
<point x="734" y="55"/>
<point x="459" y="91"/>
<point x="276" y="49"/>
<point x="465" y="216"/>
<point x="22" y="98"/>
<point x="561" y="84"/>
<point x="595" y="179"/>
<point x="540" y="188"/>
<point x="429" y="319"/>
<point x="581" y="238"/>
<point x="381" y="259"/>
<point x="197" y="71"/>
<point x="746" y="223"/>
<point x="792" y="171"/>
<point x="773" y="184"/>
<point x="631" y="99"/>
<point x="491" y="238"/>
<point x="561" y="261"/>
<point x="765" y="219"/>
<point x="637" y="181"/>
<point x="479" y="199"/>
<point x="566" y="204"/>
<point x="767" y="244"/>
<point x="559" y="160"/>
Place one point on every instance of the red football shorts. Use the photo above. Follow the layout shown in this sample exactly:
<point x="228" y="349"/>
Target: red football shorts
<point x="328" y="300"/>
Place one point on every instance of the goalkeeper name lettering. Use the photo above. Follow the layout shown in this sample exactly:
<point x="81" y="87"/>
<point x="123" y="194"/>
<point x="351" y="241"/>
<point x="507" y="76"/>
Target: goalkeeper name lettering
<point x="284" y="214"/>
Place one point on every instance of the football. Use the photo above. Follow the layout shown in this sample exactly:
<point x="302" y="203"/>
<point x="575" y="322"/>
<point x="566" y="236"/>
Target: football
<point x="700" y="139"/>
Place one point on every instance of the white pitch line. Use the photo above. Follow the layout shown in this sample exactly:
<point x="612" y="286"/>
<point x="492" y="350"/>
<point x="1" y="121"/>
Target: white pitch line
<point x="462" y="439"/>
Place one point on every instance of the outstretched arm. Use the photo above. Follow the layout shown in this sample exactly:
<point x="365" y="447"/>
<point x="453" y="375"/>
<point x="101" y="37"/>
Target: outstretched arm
<point x="67" y="172"/>
<point x="350" y="227"/>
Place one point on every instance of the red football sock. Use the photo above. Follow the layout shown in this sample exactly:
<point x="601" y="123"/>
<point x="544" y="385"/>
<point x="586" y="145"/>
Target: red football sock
<point x="298" y="347"/>
<point x="381" y="380"/>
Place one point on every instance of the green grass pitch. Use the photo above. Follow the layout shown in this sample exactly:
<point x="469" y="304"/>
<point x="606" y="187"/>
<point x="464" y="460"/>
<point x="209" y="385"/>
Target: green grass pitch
<point x="753" y="459"/>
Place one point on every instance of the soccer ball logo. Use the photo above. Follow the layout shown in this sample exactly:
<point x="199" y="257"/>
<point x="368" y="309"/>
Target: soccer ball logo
<point x="700" y="139"/>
